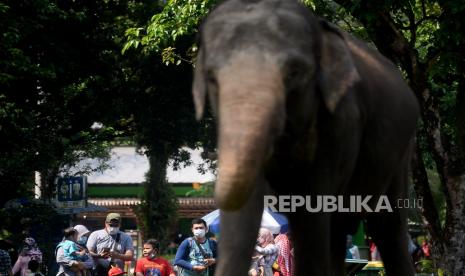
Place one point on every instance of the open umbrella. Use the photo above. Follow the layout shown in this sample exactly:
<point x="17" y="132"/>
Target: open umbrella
<point x="275" y="222"/>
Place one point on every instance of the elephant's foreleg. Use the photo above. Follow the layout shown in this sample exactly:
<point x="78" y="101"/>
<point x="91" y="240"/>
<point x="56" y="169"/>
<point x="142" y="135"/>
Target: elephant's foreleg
<point x="238" y="235"/>
<point x="311" y="239"/>
<point x="389" y="229"/>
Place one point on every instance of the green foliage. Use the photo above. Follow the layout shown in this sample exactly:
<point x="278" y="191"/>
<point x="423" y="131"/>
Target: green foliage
<point x="425" y="266"/>
<point x="178" y="18"/>
<point x="57" y="68"/>
<point x="338" y="15"/>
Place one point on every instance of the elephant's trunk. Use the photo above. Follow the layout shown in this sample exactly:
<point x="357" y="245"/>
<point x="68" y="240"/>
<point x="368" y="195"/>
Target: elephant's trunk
<point x="251" y="105"/>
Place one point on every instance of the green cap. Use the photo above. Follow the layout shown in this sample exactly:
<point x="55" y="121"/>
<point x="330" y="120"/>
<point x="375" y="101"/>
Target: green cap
<point x="113" y="216"/>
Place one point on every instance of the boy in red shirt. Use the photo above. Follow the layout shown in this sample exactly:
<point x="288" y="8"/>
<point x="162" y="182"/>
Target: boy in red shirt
<point x="150" y="264"/>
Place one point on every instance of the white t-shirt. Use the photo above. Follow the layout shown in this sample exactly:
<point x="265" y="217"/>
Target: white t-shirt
<point x="100" y="239"/>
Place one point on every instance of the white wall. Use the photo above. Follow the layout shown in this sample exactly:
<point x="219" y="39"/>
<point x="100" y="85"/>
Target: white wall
<point x="127" y="166"/>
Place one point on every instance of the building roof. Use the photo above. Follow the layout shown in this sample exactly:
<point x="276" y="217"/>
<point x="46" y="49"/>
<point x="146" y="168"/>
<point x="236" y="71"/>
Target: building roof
<point x="131" y="201"/>
<point x="189" y="207"/>
<point x="125" y="190"/>
<point x="186" y="202"/>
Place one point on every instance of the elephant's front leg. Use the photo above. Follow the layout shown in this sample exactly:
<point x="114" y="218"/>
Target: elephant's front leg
<point x="238" y="235"/>
<point x="311" y="238"/>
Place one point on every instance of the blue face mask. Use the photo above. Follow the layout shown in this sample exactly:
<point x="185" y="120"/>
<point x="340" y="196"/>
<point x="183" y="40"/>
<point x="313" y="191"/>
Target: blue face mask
<point x="82" y="241"/>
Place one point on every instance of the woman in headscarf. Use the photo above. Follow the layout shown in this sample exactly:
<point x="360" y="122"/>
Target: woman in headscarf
<point x="266" y="247"/>
<point x="284" y="254"/>
<point x="68" y="266"/>
<point x="83" y="235"/>
<point x="29" y="251"/>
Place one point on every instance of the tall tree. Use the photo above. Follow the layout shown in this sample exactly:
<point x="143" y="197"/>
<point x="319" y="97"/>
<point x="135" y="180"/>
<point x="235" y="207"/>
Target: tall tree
<point x="163" y="113"/>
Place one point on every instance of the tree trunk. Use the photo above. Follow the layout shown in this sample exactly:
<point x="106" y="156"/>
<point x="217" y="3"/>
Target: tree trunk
<point x="429" y="210"/>
<point x="48" y="186"/>
<point x="454" y="257"/>
<point x="158" y="207"/>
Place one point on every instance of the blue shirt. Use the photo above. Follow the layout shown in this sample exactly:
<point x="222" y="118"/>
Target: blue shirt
<point x="70" y="249"/>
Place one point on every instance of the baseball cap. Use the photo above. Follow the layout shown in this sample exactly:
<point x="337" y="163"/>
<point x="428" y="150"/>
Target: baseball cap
<point x="115" y="271"/>
<point x="113" y="216"/>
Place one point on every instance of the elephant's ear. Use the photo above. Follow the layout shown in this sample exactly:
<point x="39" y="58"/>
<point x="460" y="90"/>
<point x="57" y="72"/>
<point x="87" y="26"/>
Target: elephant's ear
<point x="199" y="87"/>
<point x="338" y="71"/>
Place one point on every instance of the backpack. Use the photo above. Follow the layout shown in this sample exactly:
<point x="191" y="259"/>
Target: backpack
<point x="213" y="246"/>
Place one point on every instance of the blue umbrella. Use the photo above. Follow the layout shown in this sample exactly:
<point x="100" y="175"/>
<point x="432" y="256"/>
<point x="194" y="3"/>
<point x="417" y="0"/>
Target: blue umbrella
<point x="275" y="222"/>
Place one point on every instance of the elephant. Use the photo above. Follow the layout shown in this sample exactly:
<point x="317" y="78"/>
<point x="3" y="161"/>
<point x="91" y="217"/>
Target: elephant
<point x="303" y="108"/>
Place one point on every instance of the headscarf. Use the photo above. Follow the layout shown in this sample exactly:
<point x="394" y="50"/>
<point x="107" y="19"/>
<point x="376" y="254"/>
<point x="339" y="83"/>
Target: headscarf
<point x="31" y="249"/>
<point x="81" y="230"/>
<point x="284" y="256"/>
<point x="265" y="237"/>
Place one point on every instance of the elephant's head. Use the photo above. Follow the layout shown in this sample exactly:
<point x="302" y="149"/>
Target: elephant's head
<point x="265" y="71"/>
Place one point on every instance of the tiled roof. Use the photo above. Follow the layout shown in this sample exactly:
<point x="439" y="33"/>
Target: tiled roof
<point x="189" y="207"/>
<point x="184" y="203"/>
<point x="196" y="201"/>
<point x="114" y="201"/>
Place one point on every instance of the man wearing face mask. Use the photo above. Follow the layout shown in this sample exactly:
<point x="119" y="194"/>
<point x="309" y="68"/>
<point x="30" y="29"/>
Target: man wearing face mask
<point x="196" y="256"/>
<point x="110" y="246"/>
<point x="151" y="264"/>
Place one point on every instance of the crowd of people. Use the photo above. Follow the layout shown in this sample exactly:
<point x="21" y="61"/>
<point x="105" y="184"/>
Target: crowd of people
<point x="104" y="253"/>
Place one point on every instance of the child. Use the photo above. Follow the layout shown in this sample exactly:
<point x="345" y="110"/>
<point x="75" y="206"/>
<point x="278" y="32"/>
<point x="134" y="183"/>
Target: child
<point x="256" y="268"/>
<point x="73" y="251"/>
<point x="34" y="268"/>
<point x="266" y="247"/>
<point x="151" y="263"/>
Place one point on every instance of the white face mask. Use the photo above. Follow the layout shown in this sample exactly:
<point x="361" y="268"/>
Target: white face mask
<point x="112" y="230"/>
<point x="199" y="233"/>
<point x="83" y="240"/>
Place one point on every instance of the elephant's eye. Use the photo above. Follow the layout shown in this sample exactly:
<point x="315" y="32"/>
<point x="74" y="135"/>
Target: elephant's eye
<point x="297" y="71"/>
<point x="294" y="74"/>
